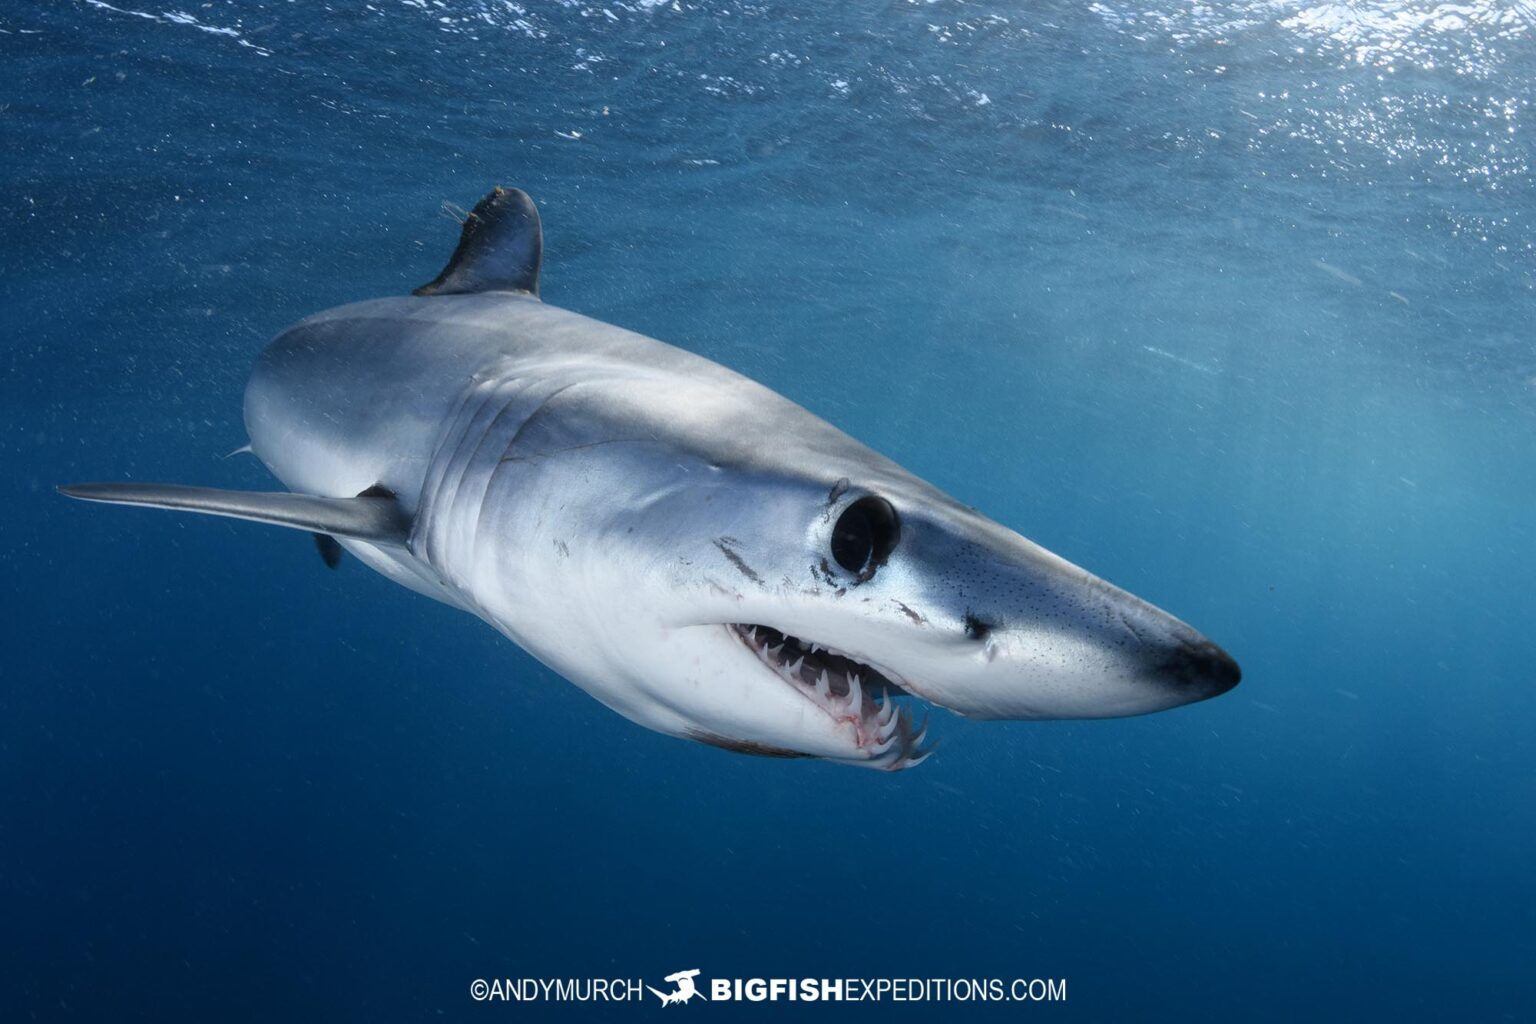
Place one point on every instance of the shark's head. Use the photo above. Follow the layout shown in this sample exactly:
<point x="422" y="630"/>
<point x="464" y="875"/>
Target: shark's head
<point x="804" y="596"/>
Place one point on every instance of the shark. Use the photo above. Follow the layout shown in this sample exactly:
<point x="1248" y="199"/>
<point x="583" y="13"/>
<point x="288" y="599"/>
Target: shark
<point x="699" y="553"/>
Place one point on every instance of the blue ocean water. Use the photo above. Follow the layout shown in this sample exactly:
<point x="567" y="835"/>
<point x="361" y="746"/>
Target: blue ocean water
<point x="1230" y="303"/>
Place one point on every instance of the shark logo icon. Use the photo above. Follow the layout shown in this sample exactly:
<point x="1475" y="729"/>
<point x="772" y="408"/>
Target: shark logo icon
<point x="685" y="990"/>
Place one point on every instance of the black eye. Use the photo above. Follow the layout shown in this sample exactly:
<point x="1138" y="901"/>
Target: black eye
<point x="865" y="535"/>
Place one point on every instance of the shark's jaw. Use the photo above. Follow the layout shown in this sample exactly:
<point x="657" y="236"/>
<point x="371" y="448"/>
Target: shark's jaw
<point x="855" y="695"/>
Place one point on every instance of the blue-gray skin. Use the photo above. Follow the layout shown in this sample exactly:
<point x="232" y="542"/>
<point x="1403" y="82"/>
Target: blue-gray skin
<point x="694" y="550"/>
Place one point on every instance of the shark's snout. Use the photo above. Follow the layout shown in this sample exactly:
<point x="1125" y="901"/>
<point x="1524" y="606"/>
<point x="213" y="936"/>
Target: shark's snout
<point x="1035" y="636"/>
<point x="1195" y="668"/>
<point x="1103" y="654"/>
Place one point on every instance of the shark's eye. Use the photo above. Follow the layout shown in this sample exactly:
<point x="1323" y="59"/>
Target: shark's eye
<point x="865" y="535"/>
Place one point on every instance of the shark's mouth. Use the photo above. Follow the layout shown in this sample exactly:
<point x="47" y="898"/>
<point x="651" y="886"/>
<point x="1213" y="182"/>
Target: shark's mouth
<point x="851" y="692"/>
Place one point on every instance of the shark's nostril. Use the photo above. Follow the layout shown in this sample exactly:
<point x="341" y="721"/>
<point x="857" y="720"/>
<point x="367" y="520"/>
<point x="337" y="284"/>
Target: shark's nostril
<point x="976" y="627"/>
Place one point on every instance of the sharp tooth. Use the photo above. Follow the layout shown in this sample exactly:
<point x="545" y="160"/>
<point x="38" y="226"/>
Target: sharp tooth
<point x="752" y="633"/>
<point x="888" y="726"/>
<point x="887" y="713"/>
<point x="913" y="762"/>
<point x="922" y="734"/>
<point x="794" y="669"/>
<point x="855" y="692"/>
<point x="823" y="684"/>
<point x="773" y="652"/>
<point x="882" y="747"/>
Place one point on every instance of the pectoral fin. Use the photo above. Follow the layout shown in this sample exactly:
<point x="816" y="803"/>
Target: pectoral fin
<point x="375" y="515"/>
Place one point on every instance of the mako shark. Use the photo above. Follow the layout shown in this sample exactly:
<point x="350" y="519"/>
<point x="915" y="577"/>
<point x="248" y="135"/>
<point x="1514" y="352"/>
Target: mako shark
<point x="694" y="550"/>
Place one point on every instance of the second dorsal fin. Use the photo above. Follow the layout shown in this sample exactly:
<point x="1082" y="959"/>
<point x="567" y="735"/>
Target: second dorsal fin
<point x="499" y="250"/>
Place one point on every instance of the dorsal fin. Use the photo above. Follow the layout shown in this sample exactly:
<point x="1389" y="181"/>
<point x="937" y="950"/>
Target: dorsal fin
<point x="499" y="251"/>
